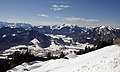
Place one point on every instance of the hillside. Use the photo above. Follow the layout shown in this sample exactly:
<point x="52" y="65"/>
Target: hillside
<point x="103" y="60"/>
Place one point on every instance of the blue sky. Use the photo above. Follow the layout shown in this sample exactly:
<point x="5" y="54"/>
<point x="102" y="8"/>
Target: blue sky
<point x="51" y="12"/>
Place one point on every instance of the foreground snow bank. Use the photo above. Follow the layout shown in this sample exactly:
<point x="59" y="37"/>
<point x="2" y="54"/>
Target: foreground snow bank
<point x="103" y="60"/>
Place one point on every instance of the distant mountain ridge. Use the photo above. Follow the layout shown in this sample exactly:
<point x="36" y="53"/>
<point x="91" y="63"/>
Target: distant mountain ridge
<point x="21" y="33"/>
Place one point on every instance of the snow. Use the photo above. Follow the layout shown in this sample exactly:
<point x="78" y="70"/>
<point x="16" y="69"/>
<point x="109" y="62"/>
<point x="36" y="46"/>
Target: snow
<point x="75" y="47"/>
<point x="40" y="26"/>
<point x="34" y="41"/>
<point x="4" y="36"/>
<point x="79" y="46"/>
<point x="103" y="60"/>
<point x="55" y="36"/>
<point x="88" y="38"/>
<point x="16" y="47"/>
<point x="102" y="27"/>
<point x="72" y="47"/>
<point x="108" y="27"/>
<point x="12" y="27"/>
<point x="64" y="38"/>
<point x="63" y="25"/>
<point x="14" y="34"/>
<point x="3" y="57"/>
<point x="53" y="46"/>
<point x="22" y="49"/>
<point x="71" y="56"/>
<point x="67" y="39"/>
<point x="118" y="28"/>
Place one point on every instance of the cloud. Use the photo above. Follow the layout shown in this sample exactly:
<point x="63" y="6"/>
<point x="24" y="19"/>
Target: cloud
<point x="43" y="15"/>
<point x="58" y="17"/>
<point x="72" y="19"/>
<point x="81" y="19"/>
<point x="59" y="7"/>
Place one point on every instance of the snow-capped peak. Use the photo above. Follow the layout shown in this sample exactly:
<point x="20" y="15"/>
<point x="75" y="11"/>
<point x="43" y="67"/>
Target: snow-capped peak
<point x="4" y="36"/>
<point x="110" y="28"/>
<point x="102" y="27"/>
<point x="106" y="27"/>
<point x="35" y="41"/>
<point x="63" y="25"/>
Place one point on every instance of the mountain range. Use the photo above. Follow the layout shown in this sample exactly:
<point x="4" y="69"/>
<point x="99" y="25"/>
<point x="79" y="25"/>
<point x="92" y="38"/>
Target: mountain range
<point x="13" y="34"/>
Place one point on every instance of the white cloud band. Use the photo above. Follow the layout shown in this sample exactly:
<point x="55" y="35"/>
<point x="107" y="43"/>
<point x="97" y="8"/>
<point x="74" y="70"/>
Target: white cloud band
<point x="59" y="7"/>
<point x="81" y="19"/>
<point x="42" y="15"/>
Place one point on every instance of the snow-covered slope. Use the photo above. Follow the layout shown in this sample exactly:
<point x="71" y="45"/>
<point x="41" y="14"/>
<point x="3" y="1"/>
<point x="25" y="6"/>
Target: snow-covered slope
<point x="103" y="60"/>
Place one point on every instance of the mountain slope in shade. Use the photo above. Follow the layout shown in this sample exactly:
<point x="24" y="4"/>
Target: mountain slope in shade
<point x="18" y="36"/>
<point x="103" y="60"/>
